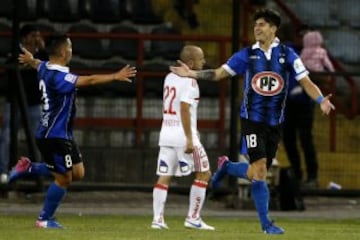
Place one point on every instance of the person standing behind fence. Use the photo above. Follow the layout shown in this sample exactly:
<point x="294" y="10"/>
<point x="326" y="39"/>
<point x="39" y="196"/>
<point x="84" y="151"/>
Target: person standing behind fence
<point x="316" y="58"/>
<point x="299" y="111"/>
<point x="181" y="151"/>
<point x="54" y="136"/>
<point x="266" y="66"/>
<point x="30" y="39"/>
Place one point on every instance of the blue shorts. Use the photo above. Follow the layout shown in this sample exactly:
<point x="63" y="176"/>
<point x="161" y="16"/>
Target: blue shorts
<point x="59" y="154"/>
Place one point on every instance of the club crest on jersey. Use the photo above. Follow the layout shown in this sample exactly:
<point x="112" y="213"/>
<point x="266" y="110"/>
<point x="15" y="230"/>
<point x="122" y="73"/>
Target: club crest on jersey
<point x="70" y="78"/>
<point x="267" y="83"/>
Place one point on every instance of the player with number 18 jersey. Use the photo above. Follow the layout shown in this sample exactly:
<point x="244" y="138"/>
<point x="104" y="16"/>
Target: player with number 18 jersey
<point x="266" y="80"/>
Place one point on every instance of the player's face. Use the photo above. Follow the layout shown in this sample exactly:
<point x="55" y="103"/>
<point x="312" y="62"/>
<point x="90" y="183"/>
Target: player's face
<point x="199" y="60"/>
<point x="263" y="31"/>
<point x="34" y="40"/>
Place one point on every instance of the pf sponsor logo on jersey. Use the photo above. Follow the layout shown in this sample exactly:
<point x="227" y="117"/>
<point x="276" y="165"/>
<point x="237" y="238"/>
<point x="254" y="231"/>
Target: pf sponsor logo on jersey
<point x="267" y="83"/>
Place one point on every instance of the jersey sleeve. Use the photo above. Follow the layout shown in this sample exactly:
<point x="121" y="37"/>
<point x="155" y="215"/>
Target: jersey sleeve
<point x="188" y="91"/>
<point x="65" y="82"/>
<point x="297" y="67"/>
<point x="237" y="63"/>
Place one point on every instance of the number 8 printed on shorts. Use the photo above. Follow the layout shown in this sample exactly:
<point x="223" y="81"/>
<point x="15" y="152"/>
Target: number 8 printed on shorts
<point x="68" y="161"/>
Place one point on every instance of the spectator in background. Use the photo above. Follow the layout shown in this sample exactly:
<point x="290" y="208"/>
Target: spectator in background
<point x="299" y="111"/>
<point x="185" y="9"/>
<point x="315" y="57"/>
<point x="292" y="37"/>
<point x="31" y="40"/>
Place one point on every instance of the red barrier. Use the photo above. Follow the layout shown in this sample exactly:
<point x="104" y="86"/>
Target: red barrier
<point x="139" y="123"/>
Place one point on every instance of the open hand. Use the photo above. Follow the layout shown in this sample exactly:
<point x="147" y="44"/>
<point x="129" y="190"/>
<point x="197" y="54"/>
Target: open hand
<point x="26" y="57"/>
<point x="125" y="73"/>
<point x="182" y="70"/>
<point x="326" y="106"/>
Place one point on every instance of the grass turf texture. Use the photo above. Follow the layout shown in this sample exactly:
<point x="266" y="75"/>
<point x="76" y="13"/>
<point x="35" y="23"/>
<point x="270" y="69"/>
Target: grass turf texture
<point x="100" y="227"/>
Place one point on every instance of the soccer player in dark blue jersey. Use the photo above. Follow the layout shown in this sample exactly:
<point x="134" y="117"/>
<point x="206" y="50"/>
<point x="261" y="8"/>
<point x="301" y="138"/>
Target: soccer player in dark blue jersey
<point x="54" y="136"/>
<point x="266" y="66"/>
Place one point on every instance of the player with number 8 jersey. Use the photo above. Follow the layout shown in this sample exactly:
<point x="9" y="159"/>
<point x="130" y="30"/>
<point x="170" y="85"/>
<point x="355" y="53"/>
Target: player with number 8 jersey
<point x="54" y="137"/>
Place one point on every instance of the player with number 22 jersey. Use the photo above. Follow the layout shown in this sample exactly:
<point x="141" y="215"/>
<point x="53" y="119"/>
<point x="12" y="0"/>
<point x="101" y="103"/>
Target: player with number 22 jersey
<point x="178" y="90"/>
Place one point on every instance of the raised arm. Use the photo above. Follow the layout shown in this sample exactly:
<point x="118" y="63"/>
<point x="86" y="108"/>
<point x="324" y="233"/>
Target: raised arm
<point x="123" y="74"/>
<point x="28" y="59"/>
<point x="210" y="74"/>
<point x="314" y="92"/>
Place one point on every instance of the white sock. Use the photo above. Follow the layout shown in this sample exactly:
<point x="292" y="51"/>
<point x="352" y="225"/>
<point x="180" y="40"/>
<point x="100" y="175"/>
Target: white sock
<point x="159" y="199"/>
<point x="196" y="199"/>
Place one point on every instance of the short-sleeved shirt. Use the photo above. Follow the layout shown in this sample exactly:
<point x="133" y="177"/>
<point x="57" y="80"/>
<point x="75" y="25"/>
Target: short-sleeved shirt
<point x="176" y="90"/>
<point x="266" y="80"/>
<point x="58" y="93"/>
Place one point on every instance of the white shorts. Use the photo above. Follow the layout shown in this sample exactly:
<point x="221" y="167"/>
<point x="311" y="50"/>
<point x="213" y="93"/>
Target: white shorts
<point x="173" y="161"/>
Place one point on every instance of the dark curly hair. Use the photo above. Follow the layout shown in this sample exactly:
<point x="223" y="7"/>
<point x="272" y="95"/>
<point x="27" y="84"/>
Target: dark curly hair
<point x="269" y="15"/>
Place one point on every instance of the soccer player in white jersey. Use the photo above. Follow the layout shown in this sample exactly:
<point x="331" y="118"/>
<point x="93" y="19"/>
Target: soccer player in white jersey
<point x="181" y="151"/>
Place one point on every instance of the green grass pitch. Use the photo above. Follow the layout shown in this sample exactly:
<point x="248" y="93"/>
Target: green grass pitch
<point x="111" y="227"/>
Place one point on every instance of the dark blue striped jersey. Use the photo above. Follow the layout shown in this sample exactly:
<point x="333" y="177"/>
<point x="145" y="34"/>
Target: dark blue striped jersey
<point x="57" y="87"/>
<point x="266" y="80"/>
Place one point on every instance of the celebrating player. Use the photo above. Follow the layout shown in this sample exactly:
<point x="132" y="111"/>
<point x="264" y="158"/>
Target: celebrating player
<point x="54" y="136"/>
<point x="266" y="66"/>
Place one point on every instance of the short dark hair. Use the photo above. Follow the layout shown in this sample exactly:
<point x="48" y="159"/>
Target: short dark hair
<point x="54" y="42"/>
<point x="270" y="16"/>
<point x="27" y="29"/>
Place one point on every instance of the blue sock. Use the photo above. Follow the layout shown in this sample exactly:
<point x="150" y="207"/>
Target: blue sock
<point x="53" y="198"/>
<point x="261" y="197"/>
<point x="37" y="169"/>
<point x="237" y="169"/>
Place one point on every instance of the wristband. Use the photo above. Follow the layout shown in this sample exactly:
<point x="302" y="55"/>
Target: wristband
<point x="319" y="99"/>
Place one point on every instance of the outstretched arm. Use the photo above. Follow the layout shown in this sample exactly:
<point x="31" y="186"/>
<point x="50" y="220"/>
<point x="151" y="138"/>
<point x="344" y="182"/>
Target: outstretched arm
<point x="210" y="74"/>
<point x="28" y="59"/>
<point x="123" y="74"/>
<point x="314" y="92"/>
